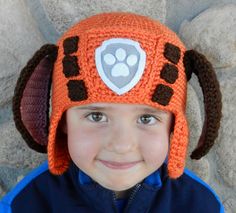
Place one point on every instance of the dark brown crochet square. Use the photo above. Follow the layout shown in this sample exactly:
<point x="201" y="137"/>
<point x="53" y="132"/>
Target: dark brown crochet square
<point x="169" y="73"/>
<point x="162" y="94"/>
<point x="70" y="66"/>
<point x="172" y="53"/>
<point x="70" y="45"/>
<point x="77" y="90"/>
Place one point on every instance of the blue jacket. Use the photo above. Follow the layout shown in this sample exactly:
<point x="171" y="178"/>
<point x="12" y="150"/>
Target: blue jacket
<point x="75" y="192"/>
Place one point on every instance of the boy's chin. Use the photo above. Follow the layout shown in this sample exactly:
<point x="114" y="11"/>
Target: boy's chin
<point x="119" y="187"/>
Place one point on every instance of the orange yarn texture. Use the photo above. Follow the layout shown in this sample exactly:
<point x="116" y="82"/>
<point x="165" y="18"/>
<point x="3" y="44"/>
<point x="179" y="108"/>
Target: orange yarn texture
<point x="152" y="37"/>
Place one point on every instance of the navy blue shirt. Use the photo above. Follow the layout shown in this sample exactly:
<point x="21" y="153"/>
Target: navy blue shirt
<point x="75" y="192"/>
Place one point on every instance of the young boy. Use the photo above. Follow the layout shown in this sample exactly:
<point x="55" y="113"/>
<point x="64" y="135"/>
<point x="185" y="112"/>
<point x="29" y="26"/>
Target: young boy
<point x="117" y="137"/>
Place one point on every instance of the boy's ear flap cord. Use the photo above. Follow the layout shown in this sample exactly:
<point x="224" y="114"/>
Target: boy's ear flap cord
<point x="198" y="64"/>
<point x="31" y="98"/>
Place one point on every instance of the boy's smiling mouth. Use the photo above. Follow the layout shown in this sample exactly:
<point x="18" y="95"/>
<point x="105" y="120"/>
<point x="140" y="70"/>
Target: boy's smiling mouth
<point x="119" y="165"/>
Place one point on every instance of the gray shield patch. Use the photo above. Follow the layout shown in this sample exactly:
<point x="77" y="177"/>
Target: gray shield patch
<point x="120" y="63"/>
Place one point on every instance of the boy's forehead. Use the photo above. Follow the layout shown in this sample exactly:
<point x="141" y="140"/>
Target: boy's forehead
<point x="116" y="106"/>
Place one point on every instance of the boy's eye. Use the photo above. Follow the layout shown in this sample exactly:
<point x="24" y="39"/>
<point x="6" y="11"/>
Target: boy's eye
<point x="96" y="117"/>
<point x="147" y="119"/>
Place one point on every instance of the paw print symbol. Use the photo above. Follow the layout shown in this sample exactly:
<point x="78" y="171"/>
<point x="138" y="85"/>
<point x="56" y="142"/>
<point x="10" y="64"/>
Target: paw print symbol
<point x="120" y="63"/>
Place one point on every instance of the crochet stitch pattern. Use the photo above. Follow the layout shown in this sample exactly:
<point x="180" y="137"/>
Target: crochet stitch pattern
<point x="169" y="73"/>
<point x="212" y="99"/>
<point x="28" y="100"/>
<point x="70" y="66"/>
<point x="123" y="57"/>
<point x="70" y="45"/>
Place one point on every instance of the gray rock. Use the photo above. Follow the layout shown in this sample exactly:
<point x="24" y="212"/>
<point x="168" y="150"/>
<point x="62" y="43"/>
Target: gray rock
<point x="213" y="33"/>
<point x="19" y="38"/>
<point x="19" y="32"/>
<point x="2" y="192"/>
<point x="8" y="177"/>
<point x="5" y="113"/>
<point x="225" y="146"/>
<point x="177" y="12"/>
<point x="65" y="13"/>
<point x="14" y="152"/>
<point x="19" y="178"/>
<point x="230" y="205"/>
<point x="9" y="66"/>
<point x="201" y="168"/>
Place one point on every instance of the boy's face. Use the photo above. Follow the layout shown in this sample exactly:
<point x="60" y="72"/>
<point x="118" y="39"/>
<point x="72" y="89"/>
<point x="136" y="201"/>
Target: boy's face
<point x="118" y="145"/>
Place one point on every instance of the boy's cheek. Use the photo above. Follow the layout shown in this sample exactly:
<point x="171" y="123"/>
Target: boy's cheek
<point x="83" y="154"/>
<point x="154" y="152"/>
<point x="83" y="145"/>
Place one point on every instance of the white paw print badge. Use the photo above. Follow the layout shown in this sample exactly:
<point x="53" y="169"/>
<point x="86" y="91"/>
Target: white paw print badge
<point x="120" y="63"/>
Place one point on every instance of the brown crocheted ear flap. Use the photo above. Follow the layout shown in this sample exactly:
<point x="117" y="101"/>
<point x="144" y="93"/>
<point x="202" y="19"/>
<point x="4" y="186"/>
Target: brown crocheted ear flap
<point x="31" y="98"/>
<point x="197" y="63"/>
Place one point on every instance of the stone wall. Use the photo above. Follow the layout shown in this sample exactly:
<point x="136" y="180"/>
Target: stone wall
<point x="207" y="26"/>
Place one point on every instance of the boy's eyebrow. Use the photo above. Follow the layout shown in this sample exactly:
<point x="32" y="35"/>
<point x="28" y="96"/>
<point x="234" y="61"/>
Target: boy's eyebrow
<point x="148" y="110"/>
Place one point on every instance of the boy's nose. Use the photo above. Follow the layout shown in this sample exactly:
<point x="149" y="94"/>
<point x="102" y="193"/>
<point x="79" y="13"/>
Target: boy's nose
<point x="122" y="140"/>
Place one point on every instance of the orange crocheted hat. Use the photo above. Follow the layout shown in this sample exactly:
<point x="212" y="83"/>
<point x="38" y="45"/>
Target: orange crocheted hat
<point x="114" y="58"/>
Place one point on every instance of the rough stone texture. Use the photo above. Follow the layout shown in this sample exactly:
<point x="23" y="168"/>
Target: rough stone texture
<point x="5" y="113"/>
<point x="2" y="192"/>
<point x="213" y="34"/>
<point x="19" y="37"/>
<point x="201" y="168"/>
<point x="10" y="63"/>
<point x="64" y="13"/>
<point x="14" y="152"/>
<point x="230" y="205"/>
<point x="9" y="176"/>
<point x="225" y="151"/>
<point x="180" y="10"/>
<point x="19" y="178"/>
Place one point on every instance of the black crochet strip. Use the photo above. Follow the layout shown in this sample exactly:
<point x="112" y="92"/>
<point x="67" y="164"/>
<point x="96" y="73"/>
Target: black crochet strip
<point x="77" y="90"/>
<point x="70" y="45"/>
<point x="188" y="65"/>
<point x="162" y="94"/>
<point x="70" y="66"/>
<point x="212" y="100"/>
<point x="172" y="53"/>
<point x="48" y="51"/>
<point x="169" y="73"/>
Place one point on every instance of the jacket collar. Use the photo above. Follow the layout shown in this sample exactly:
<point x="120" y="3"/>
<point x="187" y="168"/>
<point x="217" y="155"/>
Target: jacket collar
<point x="104" y="200"/>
